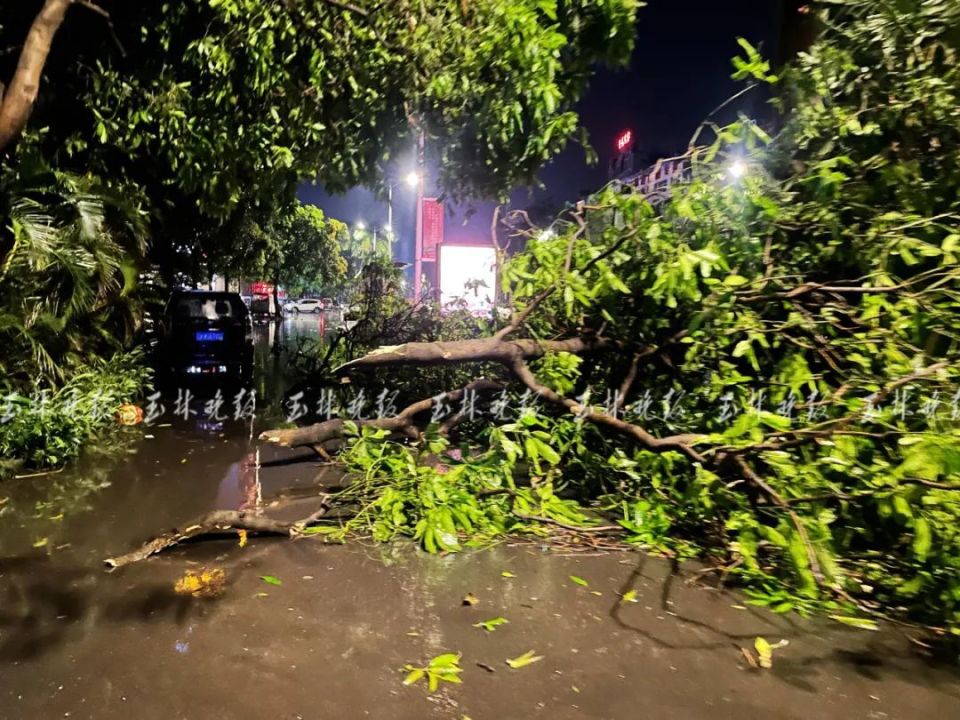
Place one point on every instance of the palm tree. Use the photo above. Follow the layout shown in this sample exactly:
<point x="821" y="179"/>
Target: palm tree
<point x="69" y="253"/>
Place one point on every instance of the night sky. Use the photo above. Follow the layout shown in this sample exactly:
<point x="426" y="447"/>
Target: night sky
<point x="679" y="73"/>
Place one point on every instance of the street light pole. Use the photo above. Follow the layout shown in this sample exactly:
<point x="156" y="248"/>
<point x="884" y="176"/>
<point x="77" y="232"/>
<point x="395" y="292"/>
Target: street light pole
<point x="390" y="209"/>
<point x="418" y="248"/>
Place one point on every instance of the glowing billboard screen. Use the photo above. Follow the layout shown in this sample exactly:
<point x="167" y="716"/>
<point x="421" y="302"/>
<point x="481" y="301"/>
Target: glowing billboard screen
<point x="468" y="273"/>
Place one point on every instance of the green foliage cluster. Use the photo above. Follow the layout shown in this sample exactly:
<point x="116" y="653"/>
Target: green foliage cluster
<point x="262" y="93"/>
<point x="212" y="107"/>
<point x="45" y="427"/>
<point x="439" y="495"/>
<point x="72" y="251"/>
<point x="294" y="246"/>
<point x="804" y="316"/>
<point x="69" y="266"/>
<point x="790" y="330"/>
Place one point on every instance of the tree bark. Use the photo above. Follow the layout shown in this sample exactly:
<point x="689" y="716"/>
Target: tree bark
<point x="216" y="523"/>
<point x="17" y="103"/>
<point x="490" y="349"/>
<point x="277" y="312"/>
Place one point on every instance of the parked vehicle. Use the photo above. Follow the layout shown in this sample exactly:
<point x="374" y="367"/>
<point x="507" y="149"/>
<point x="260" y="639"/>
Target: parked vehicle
<point x="307" y="305"/>
<point x="263" y="305"/>
<point x="206" y="333"/>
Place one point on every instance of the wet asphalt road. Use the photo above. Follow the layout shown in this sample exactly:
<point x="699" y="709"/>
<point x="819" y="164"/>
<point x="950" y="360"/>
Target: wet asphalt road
<point x="330" y="640"/>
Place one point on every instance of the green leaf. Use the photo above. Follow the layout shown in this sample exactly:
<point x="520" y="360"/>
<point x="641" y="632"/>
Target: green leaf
<point x="857" y="622"/>
<point x="528" y="658"/>
<point x="491" y="624"/>
<point x="764" y="652"/>
<point x="271" y="580"/>
<point x="414" y="676"/>
<point x="579" y="581"/>
<point x="922" y="539"/>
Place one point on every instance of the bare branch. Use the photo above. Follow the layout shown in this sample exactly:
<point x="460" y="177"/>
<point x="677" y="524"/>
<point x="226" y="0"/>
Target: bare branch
<point x="217" y="523"/>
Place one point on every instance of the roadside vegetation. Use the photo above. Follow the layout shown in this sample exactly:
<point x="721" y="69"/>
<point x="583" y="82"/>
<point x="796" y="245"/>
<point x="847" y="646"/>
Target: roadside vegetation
<point x="168" y="140"/>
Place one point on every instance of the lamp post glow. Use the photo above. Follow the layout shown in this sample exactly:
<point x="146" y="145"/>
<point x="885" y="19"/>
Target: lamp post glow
<point x="412" y="180"/>
<point x="738" y="168"/>
<point x="415" y="178"/>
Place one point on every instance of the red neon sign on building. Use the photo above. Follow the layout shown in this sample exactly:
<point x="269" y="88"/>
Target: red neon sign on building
<point x="625" y="140"/>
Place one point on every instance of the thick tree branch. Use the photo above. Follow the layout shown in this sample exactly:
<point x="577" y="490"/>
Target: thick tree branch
<point x="218" y="522"/>
<point x="404" y="423"/>
<point x="491" y="349"/>
<point x="22" y="92"/>
<point x="680" y="443"/>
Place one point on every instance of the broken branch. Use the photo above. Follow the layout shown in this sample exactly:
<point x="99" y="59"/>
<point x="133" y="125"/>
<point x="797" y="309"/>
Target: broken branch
<point x="217" y="523"/>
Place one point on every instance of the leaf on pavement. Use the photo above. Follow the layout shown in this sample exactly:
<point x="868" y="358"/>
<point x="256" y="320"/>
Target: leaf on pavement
<point x="528" y="658"/>
<point x="492" y="624"/>
<point x="205" y="583"/>
<point x="859" y="623"/>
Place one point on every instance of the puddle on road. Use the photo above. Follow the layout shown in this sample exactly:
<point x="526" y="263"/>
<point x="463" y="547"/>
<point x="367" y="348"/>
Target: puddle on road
<point x="331" y="639"/>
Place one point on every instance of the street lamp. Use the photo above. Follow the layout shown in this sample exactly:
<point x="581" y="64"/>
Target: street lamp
<point x="412" y="180"/>
<point x="738" y="168"/>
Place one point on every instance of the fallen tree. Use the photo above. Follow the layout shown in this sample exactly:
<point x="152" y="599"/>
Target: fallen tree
<point x="762" y="371"/>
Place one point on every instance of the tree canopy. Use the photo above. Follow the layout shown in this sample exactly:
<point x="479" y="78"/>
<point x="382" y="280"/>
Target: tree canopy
<point x="305" y="252"/>
<point x="222" y="101"/>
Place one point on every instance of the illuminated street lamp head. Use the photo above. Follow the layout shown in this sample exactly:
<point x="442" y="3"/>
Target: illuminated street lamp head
<point x="738" y="168"/>
<point x="413" y="179"/>
<point x="360" y="225"/>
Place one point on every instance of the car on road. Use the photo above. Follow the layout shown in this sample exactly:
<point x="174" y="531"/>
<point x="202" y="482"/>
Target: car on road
<point x="205" y="333"/>
<point x="306" y="305"/>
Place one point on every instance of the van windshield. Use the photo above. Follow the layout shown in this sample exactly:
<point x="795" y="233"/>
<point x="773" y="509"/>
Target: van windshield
<point x="207" y="308"/>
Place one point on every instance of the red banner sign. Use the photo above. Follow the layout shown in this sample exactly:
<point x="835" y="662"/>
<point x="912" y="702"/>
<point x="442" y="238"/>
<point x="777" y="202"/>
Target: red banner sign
<point x="432" y="228"/>
<point x="264" y="288"/>
<point x="261" y="288"/>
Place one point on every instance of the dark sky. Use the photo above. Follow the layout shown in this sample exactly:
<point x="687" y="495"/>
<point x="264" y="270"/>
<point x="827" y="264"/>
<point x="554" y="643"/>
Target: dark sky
<point x="680" y="72"/>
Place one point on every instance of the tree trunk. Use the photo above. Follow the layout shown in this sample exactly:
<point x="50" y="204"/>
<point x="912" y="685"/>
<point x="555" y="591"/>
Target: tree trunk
<point x="489" y="349"/>
<point x="22" y="92"/>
